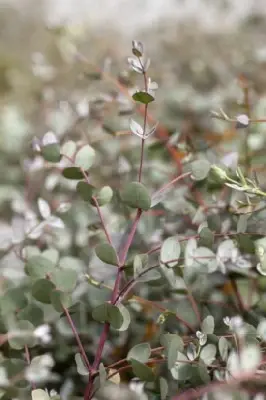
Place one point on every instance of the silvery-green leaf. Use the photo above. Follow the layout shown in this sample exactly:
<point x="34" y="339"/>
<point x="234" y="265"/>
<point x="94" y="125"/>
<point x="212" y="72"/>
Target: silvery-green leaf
<point x="135" y="64"/>
<point x="85" y="157"/>
<point x="49" y="138"/>
<point x="136" y="128"/>
<point x="69" y="148"/>
<point x="44" y="208"/>
<point x="81" y="368"/>
<point x="208" y="353"/>
<point x="261" y="329"/>
<point x="170" y="250"/>
<point x="223" y="348"/>
<point x="207" y="325"/>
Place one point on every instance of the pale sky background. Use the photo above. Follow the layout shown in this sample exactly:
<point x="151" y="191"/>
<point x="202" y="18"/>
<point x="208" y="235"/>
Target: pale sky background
<point x="129" y="15"/>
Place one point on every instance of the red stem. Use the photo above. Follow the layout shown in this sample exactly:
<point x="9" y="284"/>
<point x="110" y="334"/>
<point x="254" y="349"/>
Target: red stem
<point x="80" y="345"/>
<point x="89" y="389"/>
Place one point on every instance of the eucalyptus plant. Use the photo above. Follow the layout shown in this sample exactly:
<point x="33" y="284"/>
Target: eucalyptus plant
<point x="189" y="300"/>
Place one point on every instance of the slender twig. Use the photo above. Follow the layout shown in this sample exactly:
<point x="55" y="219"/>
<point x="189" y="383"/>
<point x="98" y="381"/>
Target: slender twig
<point x="102" y="221"/>
<point x="76" y="335"/>
<point x="193" y="304"/>
<point x="178" y="178"/>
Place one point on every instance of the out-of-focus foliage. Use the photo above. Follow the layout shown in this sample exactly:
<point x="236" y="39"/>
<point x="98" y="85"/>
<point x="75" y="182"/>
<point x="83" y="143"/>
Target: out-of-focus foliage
<point x="70" y="138"/>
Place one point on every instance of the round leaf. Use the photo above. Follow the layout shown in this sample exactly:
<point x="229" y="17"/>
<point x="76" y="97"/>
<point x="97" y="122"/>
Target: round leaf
<point x="223" y="348"/>
<point x="107" y="312"/>
<point x="141" y="352"/>
<point x="81" y="368"/>
<point x="126" y="318"/>
<point x="65" y="279"/>
<point x="106" y="253"/>
<point x="60" y="300"/>
<point x="32" y="313"/>
<point x="69" y="148"/>
<point x="104" y="196"/>
<point x="38" y="267"/>
<point x="170" y="251"/>
<point x="72" y="173"/>
<point x="200" y="169"/>
<point x="85" y="190"/>
<point x="21" y="335"/>
<point x="41" y="290"/>
<point x="13" y="300"/>
<point x="143" y="97"/>
<point x="85" y="157"/>
<point x="207" y="325"/>
<point x="51" y="152"/>
<point x="143" y="372"/>
<point x="208" y="353"/>
<point x="135" y="195"/>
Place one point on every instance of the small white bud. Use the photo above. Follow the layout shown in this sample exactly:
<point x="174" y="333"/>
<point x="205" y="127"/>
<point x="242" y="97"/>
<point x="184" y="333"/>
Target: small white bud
<point x="242" y="121"/>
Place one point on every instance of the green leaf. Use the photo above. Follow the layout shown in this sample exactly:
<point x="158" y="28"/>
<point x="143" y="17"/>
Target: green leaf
<point x="203" y="372"/>
<point x="135" y="195"/>
<point x="51" y="255"/>
<point x="207" y="325"/>
<point x="126" y="318"/>
<point x="51" y="152"/>
<point x="242" y="223"/>
<point x="102" y="374"/>
<point x="69" y="148"/>
<point x="81" y="368"/>
<point x="170" y="250"/>
<point x="106" y="253"/>
<point x="107" y="312"/>
<point x="163" y="388"/>
<point x="85" y="157"/>
<point x="60" y="300"/>
<point x="143" y="97"/>
<point x="173" y="347"/>
<point x="206" y="238"/>
<point x="208" y="353"/>
<point x="200" y="169"/>
<point x="38" y="267"/>
<point x="32" y="313"/>
<point x="141" y="352"/>
<point x="104" y="196"/>
<point x="223" y="348"/>
<point x="143" y="372"/>
<point x="181" y="370"/>
<point x="65" y="279"/>
<point x="21" y="335"/>
<point x="72" y="173"/>
<point x="85" y="190"/>
<point x="13" y="300"/>
<point x="41" y="290"/>
<point x="140" y="265"/>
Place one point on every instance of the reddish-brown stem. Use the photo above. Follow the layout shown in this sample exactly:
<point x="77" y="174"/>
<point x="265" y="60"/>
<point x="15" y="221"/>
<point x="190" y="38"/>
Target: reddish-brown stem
<point x="89" y="389"/>
<point x="178" y="178"/>
<point x="193" y="304"/>
<point x="76" y="335"/>
<point x="102" y="220"/>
